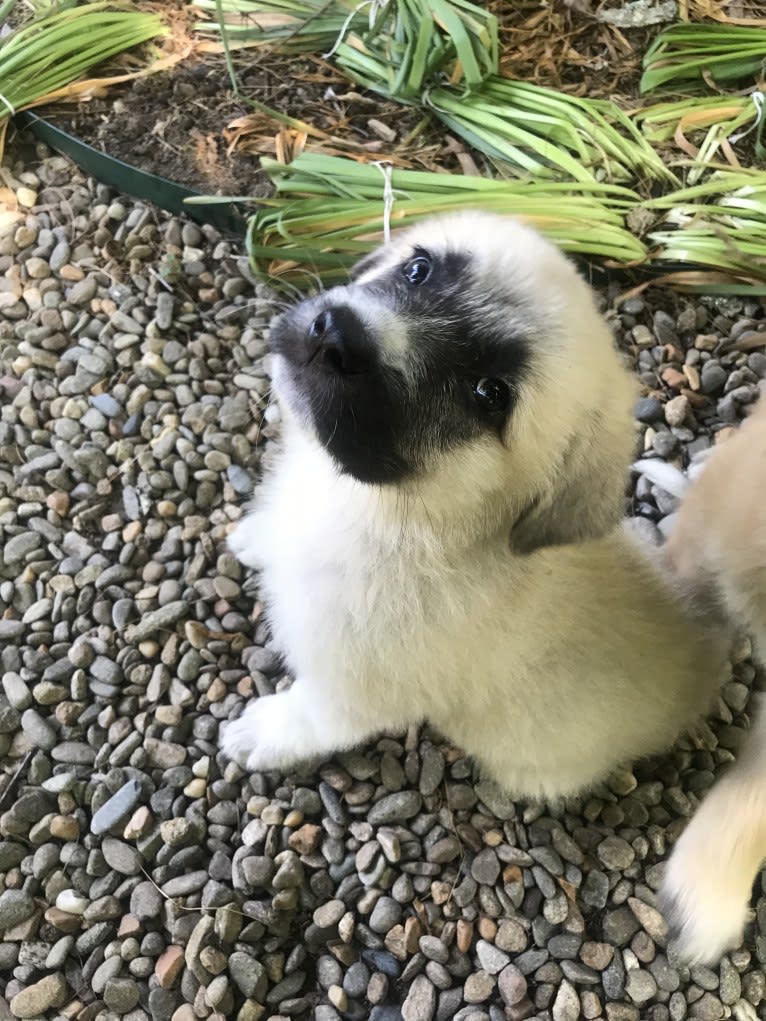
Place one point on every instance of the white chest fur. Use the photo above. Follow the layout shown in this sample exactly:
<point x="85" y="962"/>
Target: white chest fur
<point x="549" y="668"/>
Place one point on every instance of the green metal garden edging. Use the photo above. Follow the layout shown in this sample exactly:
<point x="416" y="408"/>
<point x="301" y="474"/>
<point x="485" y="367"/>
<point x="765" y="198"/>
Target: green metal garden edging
<point x="131" y="180"/>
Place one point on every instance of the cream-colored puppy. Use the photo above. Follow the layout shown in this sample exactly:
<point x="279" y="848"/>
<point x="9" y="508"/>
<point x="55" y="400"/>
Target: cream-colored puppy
<point x="456" y="428"/>
<point x="718" y="551"/>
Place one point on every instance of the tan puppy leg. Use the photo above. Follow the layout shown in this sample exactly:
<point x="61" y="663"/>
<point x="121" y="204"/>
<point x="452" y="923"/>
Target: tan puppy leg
<point x="718" y="549"/>
<point x="709" y="878"/>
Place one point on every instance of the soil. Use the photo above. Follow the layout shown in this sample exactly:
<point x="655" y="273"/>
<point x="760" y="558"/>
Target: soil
<point x="189" y="125"/>
<point x="183" y="124"/>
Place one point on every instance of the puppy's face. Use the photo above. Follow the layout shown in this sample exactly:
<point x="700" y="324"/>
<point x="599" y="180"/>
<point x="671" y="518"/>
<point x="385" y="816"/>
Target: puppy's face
<point x="447" y="346"/>
<point x="427" y="350"/>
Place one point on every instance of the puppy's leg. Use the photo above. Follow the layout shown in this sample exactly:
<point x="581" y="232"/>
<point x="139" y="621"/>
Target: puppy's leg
<point x="709" y="878"/>
<point x="276" y="731"/>
<point x="249" y="539"/>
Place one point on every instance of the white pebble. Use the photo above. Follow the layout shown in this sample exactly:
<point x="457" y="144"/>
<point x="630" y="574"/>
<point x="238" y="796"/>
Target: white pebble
<point x="26" y="197"/>
<point x="71" y="902"/>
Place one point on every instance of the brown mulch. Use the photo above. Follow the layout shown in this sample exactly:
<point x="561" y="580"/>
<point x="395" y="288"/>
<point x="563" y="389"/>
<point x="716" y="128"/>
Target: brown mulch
<point x="188" y="123"/>
<point x="563" y="46"/>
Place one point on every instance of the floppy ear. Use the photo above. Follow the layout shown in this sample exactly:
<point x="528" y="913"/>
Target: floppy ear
<point x="584" y="495"/>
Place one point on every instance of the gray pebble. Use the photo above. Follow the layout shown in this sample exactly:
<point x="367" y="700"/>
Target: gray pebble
<point x="15" y="906"/>
<point x="385" y="915"/>
<point x="121" y="994"/>
<point x="420" y="1001"/>
<point x="566" y="1006"/>
<point x="37" y="730"/>
<point x="397" y="807"/>
<point x="19" y="546"/>
<point x="116" y="808"/>
<point x="158" y="620"/>
<point x="485" y="867"/>
<point x="640" y="986"/>
<point x="491" y="959"/>
<point x="615" y="853"/>
<point x="648" y="410"/>
<point x="121" y="857"/>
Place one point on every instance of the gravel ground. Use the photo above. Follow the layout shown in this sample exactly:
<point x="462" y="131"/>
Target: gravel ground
<point x="145" y="877"/>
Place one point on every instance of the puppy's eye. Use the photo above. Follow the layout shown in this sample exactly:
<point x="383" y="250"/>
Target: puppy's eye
<point x="417" y="270"/>
<point x="492" y="395"/>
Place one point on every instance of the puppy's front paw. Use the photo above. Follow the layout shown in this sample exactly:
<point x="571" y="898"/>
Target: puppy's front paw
<point x="705" y="894"/>
<point x="246" y="540"/>
<point x="268" y="735"/>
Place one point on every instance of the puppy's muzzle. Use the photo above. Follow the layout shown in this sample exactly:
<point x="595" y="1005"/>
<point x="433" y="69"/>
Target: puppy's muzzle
<point x="337" y="341"/>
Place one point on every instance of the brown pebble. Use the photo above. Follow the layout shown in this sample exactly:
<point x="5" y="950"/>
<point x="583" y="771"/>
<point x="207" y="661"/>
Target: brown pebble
<point x="217" y="690"/>
<point x="673" y="378"/>
<point x="512" y="874"/>
<point x="138" y="824"/>
<point x="596" y="955"/>
<point x="67" y="713"/>
<point x="394" y="942"/>
<point x="70" y="272"/>
<point x="671" y="353"/>
<point x="185" y="1012"/>
<point x="306" y="839"/>
<point x="337" y="997"/>
<point x="693" y="376"/>
<point x="196" y="634"/>
<point x="129" y="926"/>
<point x="62" y="920"/>
<point x="131" y="531"/>
<point x="464" y="935"/>
<point x="213" y="959"/>
<point x="64" y="827"/>
<point x="487" y="929"/>
<point x="377" y="987"/>
<point x="441" y="891"/>
<point x="697" y="400"/>
<point x="168" y="715"/>
<point x="169" y="966"/>
<point x="706" y="341"/>
<point x="58" y="501"/>
<point x="412" y="933"/>
<point x="346" y="927"/>
<point x="677" y="410"/>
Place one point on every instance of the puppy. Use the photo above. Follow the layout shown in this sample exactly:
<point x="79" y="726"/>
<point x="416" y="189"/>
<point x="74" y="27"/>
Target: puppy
<point x="717" y="550"/>
<point x="438" y="537"/>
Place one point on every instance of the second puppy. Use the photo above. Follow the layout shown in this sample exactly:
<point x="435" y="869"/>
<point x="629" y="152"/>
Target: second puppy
<point x="717" y="551"/>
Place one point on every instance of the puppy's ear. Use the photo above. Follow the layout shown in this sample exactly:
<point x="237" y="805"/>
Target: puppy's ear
<point x="584" y="495"/>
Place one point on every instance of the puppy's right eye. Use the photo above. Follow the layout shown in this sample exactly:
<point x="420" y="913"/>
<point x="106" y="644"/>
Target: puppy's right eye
<point x="492" y="395"/>
<point x="417" y="270"/>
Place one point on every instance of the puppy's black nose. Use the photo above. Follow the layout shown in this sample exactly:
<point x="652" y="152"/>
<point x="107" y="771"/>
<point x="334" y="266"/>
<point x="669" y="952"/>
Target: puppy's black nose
<point x="337" y="340"/>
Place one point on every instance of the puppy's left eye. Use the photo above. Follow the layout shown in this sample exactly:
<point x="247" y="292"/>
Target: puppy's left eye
<point x="492" y="395"/>
<point x="417" y="270"/>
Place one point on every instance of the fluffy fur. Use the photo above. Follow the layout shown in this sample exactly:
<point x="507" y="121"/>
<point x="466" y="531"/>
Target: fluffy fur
<point x="718" y="552"/>
<point x="439" y="536"/>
